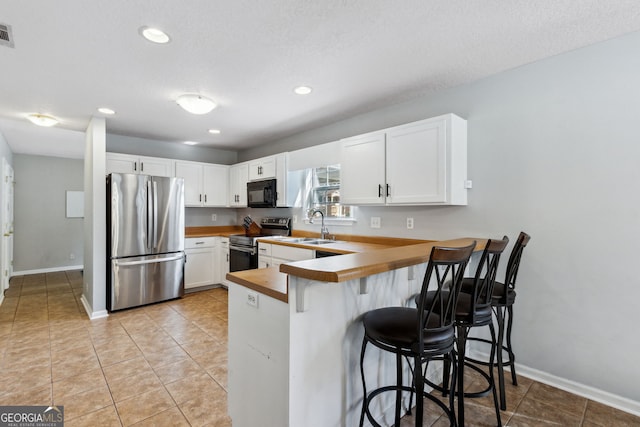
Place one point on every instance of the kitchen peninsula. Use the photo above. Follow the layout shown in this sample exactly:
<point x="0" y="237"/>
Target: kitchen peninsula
<point x="295" y="334"/>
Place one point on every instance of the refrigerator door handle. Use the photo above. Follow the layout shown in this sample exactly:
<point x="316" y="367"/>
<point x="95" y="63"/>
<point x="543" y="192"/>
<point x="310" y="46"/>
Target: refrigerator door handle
<point x="148" y="261"/>
<point x="149" y="215"/>
<point x="155" y="214"/>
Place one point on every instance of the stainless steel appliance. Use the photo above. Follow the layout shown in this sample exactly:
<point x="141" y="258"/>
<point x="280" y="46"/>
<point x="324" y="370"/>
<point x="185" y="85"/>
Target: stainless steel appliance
<point x="243" y="249"/>
<point x="145" y="239"/>
<point x="262" y="194"/>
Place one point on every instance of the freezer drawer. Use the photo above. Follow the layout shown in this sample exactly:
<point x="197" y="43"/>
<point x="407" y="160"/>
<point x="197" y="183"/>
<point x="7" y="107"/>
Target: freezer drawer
<point x="143" y="280"/>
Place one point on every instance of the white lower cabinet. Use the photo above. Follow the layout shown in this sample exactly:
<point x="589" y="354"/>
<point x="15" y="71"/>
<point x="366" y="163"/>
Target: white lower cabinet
<point x="273" y="255"/>
<point x="201" y="268"/>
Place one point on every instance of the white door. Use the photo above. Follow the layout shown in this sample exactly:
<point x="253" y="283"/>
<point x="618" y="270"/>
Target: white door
<point x="192" y="175"/>
<point x="6" y="259"/>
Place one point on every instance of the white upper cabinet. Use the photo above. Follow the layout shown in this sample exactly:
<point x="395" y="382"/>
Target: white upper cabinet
<point x="419" y="163"/>
<point x="362" y="169"/>
<point x="205" y="184"/>
<point x="238" y="177"/>
<point x="126" y="163"/>
<point x="263" y="168"/>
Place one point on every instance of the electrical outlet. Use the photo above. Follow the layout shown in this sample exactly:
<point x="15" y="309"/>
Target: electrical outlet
<point x="252" y="298"/>
<point x="72" y="256"/>
<point x="295" y="219"/>
<point x="409" y="223"/>
<point x="214" y="217"/>
<point x="375" y="222"/>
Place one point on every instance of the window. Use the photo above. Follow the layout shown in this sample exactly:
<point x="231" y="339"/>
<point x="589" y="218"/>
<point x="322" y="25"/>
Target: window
<point x="325" y="193"/>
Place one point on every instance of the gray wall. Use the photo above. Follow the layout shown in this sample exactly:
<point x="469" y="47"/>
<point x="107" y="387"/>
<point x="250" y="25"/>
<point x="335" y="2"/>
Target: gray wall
<point x="553" y="150"/>
<point x="169" y="150"/>
<point x="44" y="237"/>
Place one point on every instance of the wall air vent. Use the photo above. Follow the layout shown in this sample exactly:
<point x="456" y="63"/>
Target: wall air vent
<point x="6" y="36"/>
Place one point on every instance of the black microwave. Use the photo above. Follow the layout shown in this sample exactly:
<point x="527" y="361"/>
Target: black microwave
<point x="262" y="194"/>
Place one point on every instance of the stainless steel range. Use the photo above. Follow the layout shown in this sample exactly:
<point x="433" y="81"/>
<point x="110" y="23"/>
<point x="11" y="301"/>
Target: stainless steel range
<point x="243" y="249"/>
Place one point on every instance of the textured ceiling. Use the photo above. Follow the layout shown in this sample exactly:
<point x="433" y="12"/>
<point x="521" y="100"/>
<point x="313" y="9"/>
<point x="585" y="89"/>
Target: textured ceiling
<point x="74" y="56"/>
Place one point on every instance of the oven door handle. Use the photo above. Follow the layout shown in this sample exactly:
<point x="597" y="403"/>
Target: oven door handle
<point x="251" y="251"/>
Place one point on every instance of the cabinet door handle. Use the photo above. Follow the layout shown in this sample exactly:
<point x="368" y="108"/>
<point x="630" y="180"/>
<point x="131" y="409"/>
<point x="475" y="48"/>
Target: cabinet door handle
<point x="205" y="198"/>
<point x="379" y="190"/>
<point x="135" y="166"/>
<point x="227" y="257"/>
<point x="199" y="243"/>
<point x="141" y="166"/>
<point x="387" y="190"/>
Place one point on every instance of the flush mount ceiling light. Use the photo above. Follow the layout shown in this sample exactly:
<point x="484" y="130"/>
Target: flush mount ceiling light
<point x="196" y="104"/>
<point x="42" y="120"/>
<point x="105" y="110"/>
<point x="214" y="131"/>
<point x="190" y="143"/>
<point x="154" y="35"/>
<point x="303" y="90"/>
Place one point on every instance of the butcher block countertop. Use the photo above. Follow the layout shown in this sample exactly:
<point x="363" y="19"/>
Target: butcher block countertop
<point x="373" y="260"/>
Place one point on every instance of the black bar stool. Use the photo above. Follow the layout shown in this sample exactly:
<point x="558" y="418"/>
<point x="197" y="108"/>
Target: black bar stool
<point x="420" y="333"/>
<point x="474" y="310"/>
<point x="503" y="298"/>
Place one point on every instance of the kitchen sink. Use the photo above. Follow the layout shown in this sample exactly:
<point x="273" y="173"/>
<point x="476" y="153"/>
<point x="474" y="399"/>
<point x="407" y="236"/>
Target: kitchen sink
<point x="307" y="240"/>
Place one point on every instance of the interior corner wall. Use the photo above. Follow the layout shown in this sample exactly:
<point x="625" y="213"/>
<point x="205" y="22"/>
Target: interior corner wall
<point x="95" y="251"/>
<point x="45" y="239"/>
<point x="553" y="150"/>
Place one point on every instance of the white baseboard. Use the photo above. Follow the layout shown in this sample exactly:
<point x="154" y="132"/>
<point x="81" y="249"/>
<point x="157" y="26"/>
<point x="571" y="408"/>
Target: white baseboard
<point x="1" y="297"/>
<point x="93" y="315"/>
<point x="601" y="396"/>
<point x="48" y="270"/>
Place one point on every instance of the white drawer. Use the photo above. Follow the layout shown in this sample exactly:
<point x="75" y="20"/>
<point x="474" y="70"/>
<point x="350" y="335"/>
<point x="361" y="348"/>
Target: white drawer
<point x="291" y="253"/>
<point x="264" y="248"/>
<point x="199" y="242"/>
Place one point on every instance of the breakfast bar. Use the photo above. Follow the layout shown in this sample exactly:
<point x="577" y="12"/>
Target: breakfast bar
<point x="295" y="334"/>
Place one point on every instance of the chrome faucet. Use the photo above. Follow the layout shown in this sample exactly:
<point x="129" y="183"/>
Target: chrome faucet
<point x="324" y="232"/>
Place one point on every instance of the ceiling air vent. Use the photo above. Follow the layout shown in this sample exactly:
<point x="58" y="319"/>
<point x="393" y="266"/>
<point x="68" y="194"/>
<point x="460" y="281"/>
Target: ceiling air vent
<point x="6" y="37"/>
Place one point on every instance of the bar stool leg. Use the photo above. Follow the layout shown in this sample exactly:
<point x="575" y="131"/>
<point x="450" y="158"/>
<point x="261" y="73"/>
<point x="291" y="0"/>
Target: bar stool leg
<point x="461" y="339"/>
<point x="364" y="385"/>
<point x="491" y="375"/>
<point x="503" y="397"/>
<point x="398" y="391"/>
<point x="512" y="357"/>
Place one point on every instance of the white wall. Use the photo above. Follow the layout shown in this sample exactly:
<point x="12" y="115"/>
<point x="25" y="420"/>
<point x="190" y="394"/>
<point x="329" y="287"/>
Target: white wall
<point x="44" y="237"/>
<point x="95" y="251"/>
<point x="553" y="150"/>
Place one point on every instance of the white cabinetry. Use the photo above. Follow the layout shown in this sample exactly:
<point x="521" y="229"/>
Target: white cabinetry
<point x="205" y="184"/>
<point x="273" y="255"/>
<point x="201" y="266"/>
<point x="263" y="168"/>
<point x="238" y="177"/>
<point x="126" y="163"/>
<point x="419" y="163"/>
<point x="223" y="258"/>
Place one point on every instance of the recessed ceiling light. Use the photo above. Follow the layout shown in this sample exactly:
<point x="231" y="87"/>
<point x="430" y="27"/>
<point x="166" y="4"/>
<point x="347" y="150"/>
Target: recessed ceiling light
<point x="154" y="35"/>
<point x="214" y="131"/>
<point x="190" y="143"/>
<point x="196" y="104"/>
<point x="303" y="90"/>
<point x="105" y="110"/>
<point x="42" y="120"/>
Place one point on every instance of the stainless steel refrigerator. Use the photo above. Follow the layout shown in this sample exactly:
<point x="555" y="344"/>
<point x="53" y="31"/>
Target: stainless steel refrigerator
<point x="145" y="239"/>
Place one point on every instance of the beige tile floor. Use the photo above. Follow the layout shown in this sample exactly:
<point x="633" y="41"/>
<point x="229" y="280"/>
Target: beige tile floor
<point x="166" y="364"/>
